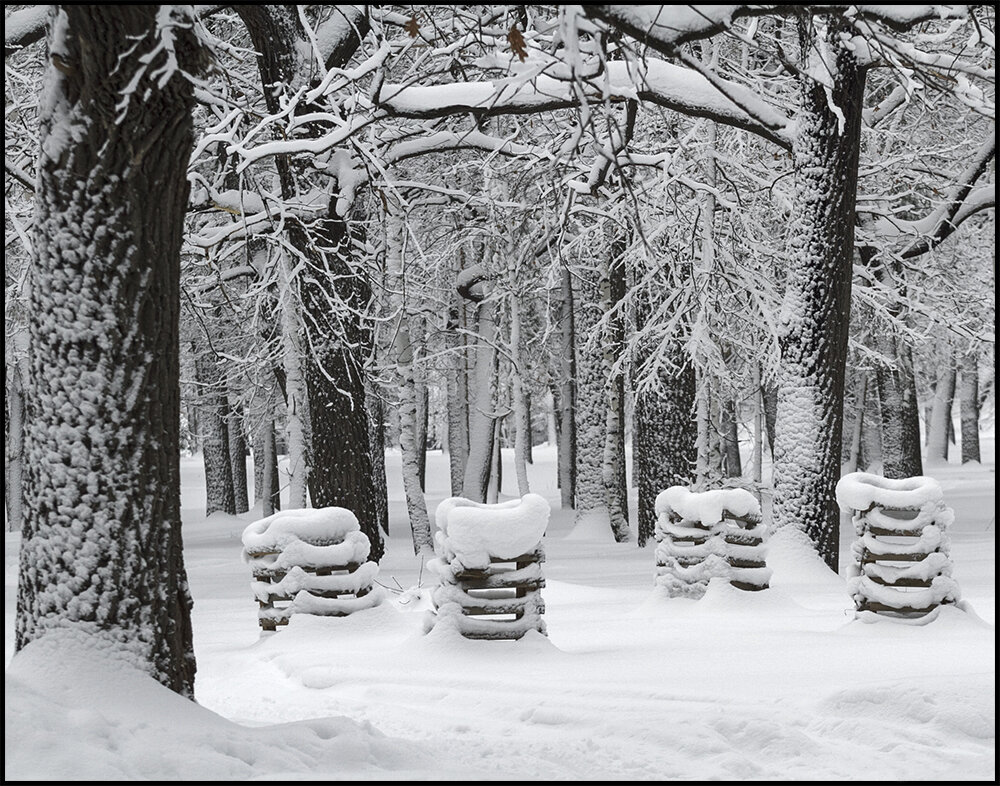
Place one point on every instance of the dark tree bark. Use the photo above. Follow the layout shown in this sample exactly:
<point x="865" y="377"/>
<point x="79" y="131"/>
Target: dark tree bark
<point x="969" y="407"/>
<point x="214" y="413"/>
<point x="335" y="297"/>
<point x="665" y="440"/>
<point x="267" y="489"/>
<point x="376" y="418"/>
<point x="769" y="400"/>
<point x="238" y="460"/>
<point x="817" y="301"/>
<point x="101" y="550"/>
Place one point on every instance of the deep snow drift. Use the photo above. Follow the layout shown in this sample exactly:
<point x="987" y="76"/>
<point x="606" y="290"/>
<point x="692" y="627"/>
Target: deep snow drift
<point x="629" y="684"/>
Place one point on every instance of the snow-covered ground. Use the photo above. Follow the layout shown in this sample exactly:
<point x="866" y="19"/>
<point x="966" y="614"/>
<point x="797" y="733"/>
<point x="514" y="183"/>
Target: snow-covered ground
<point x="629" y="684"/>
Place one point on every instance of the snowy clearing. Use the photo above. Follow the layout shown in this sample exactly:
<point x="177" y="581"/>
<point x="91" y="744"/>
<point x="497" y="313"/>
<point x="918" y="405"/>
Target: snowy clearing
<point x="629" y="684"/>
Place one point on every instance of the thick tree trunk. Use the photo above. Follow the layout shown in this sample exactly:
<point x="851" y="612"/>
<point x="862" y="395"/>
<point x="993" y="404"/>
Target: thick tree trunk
<point x="944" y="400"/>
<point x="482" y="413"/>
<point x="969" y="404"/>
<point x="341" y="473"/>
<point x="664" y="440"/>
<point x="334" y="297"/>
<point x="817" y="301"/>
<point x="101" y="550"/>
<point x="214" y="411"/>
<point x="900" y="411"/>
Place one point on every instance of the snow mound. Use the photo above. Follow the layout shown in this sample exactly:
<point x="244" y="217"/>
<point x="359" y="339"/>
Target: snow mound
<point x="75" y="711"/>
<point x="861" y="490"/>
<point x="474" y="532"/>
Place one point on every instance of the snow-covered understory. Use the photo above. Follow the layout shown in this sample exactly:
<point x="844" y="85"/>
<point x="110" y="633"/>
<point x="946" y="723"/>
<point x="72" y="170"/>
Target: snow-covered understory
<point x="629" y="685"/>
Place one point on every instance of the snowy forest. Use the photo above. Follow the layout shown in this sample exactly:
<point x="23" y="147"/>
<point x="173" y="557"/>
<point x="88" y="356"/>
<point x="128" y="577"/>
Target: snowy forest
<point x="464" y="392"/>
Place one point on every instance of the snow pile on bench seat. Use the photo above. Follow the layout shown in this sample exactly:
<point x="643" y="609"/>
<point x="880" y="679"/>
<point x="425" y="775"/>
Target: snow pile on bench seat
<point x="474" y="532"/>
<point x="316" y="559"/>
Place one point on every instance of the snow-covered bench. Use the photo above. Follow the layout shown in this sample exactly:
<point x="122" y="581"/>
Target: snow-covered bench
<point x="489" y="563"/>
<point x="902" y="564"/>
<point x="706" y="534"/>
<point x="312" y="561"/>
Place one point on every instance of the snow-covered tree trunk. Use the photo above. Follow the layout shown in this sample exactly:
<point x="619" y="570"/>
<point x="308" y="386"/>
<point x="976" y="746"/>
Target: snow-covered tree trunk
<point x="334" y="295"/>
<point x="213" y="412"/>
<point x="816" y="306"/>
<point x="944" y="400"/>
<point x="14" y="444"/>
<point x="238" y="459"/>
<point x="590" y="405"/>
<point x="566" y="452"/>
<point x="458" y="396"/>
<point x="894" y="382"/>
<point x="969" y="407"/>
<point x="522" y="425"/>
<point x="600" y="483"/>
<point x="416" y="505"/>
<point x="483" y="405"/>
<point x="899" y="409"/>
<point x="101" y="550"/>
<point x="665" y="434"/>
<point x="613" y="344"/>
<point x="376" y="419"/>
<point x="296" y="401"/>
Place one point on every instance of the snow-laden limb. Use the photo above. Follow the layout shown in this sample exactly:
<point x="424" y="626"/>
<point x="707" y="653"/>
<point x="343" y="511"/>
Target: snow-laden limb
<point x="902" y="553"/>
<point x="654" y="80"/>
<point x="24" y="27"/>
<point x="489" y="562"/>
<point x="313" y="558"/>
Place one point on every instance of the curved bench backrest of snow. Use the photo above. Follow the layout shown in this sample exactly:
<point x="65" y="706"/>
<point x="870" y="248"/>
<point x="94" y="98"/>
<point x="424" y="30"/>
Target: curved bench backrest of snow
<point x="702" y="535"/>
<point x="489" y="561"/>
<point x="314" y="558"/>
<point x="902" y="565"/>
